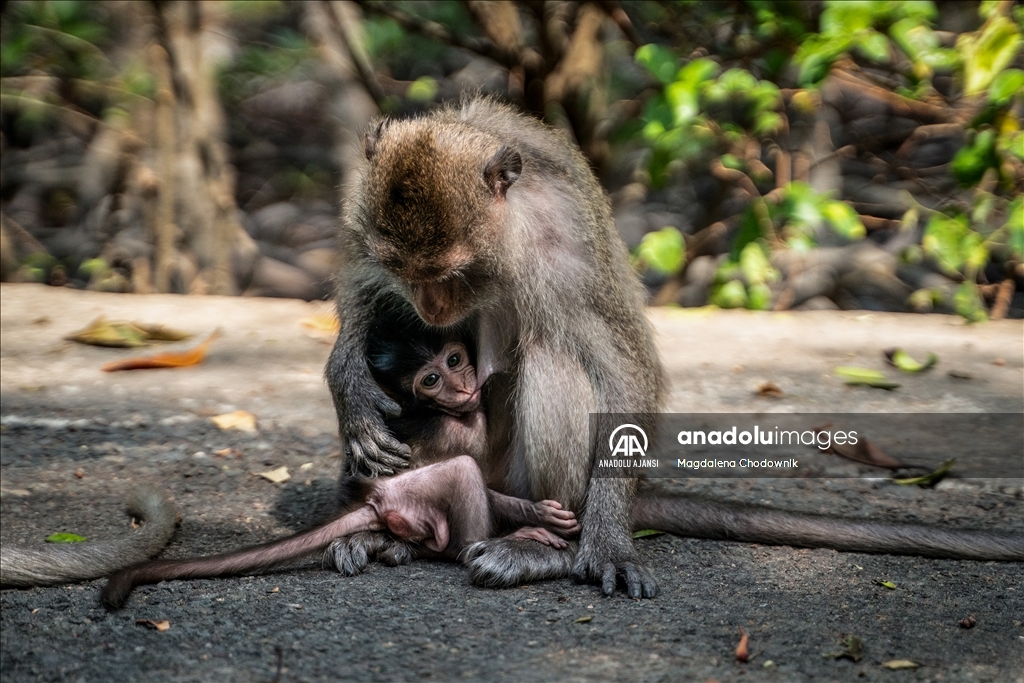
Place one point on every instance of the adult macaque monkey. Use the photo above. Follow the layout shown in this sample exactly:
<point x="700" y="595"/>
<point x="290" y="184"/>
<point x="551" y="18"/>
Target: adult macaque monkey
<point x="479" y="210"/>
<point x="443" y="508"/>
<point x="65" y="563"/>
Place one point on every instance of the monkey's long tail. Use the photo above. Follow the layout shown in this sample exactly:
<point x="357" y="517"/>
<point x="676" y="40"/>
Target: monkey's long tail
<point x="705" y="518"/>
<point x="251" y="559"/>
<point x="65" y="563"/>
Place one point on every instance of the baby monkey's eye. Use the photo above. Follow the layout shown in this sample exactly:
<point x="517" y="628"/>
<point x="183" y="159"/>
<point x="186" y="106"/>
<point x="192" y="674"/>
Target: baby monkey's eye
<point x="431" y="379"/>
<point x="454" y="360"/>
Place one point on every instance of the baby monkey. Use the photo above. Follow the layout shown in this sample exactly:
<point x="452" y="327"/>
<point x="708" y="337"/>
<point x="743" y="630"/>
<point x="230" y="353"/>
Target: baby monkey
<point x="442" y="508"/>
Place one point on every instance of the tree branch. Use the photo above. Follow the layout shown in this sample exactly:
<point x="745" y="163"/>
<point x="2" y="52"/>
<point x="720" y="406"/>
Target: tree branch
<point x="365" y="71"/>
<point x="436" y="31"/>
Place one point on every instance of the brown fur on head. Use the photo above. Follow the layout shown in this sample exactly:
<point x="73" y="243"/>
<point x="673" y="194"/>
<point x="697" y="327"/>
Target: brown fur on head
<point x="433" y="209"/>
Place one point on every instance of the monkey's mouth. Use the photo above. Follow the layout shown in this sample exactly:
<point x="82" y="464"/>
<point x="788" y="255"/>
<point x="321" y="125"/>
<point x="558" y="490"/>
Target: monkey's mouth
<point x="467" y="406"/>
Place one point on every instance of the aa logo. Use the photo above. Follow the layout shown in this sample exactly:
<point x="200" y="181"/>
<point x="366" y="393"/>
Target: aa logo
<point x="629" y="441"/>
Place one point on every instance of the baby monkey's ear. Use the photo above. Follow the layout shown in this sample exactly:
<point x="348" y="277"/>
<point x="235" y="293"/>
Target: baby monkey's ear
<point x="502" y="170"/>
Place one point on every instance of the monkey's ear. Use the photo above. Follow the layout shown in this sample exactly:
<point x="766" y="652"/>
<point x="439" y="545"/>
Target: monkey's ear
<point x="502" y="170"/>
<point x="372" y="138"/>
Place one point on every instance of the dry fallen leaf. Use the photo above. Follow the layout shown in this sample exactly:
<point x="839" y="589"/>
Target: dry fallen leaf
<point x="167" y="359"/>
<point x="583" y="620"/>
<point x="161" y="625"/>
<point x="322" y="327"/>
<point x="741" y="650"/>
<point x="323" y="322"/>
<point x="225" y="452"/>
<point x="853" y="649"/>
<point x="770" y="390"/>
<point x="277" y="476"/>
<point x="124" y="334"/>
<point x="240" y="420"/>
<point x="896" y="664"/>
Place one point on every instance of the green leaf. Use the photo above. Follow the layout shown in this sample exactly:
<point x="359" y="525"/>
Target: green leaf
<point x="1006" y="86"/>
<point x="901" y="359"/>
<point x="659" y="60"/>
<point x="921" y="44"/>
<point x="730" y="295"/>
<point x="682" y="97"/>
<point x="644" y="533"/>
<point x="987" y="52"/>
<point x="887" y="584"/>
<point x="844" y="219"/>
<point x="737" y="80"/>
<point x="760" y="298"/>
<point x="931" y="478"/>
<point x="967" y="303"/>
<point x="971" y="162"/>
<point x="943" y="240"/>
<point x="663" y="250"/>
<point x="865" y="377"/>
<point x="874" y="46"/>
<point x="732" y="161"/>
<point x="767" y="123"/>
<point x="754" y="265"/>
<point x="843" y="17"/>
<point x="423" y="89"/>
<point x="698" y="71"/>
<point x="64" y="538"/>
<point x="583" y="620"/>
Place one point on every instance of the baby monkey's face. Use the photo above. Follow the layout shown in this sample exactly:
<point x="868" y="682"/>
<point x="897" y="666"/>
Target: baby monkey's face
<point x="449" y="380"/>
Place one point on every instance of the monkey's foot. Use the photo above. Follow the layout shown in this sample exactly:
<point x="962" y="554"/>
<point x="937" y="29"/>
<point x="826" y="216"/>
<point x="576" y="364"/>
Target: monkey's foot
<point x="604" y="568"/>
<point x="352" y="554"/>
<point x="504" y="562"/>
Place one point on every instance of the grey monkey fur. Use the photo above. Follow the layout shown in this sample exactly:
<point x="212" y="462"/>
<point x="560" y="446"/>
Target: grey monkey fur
<point x="70" y="562"/>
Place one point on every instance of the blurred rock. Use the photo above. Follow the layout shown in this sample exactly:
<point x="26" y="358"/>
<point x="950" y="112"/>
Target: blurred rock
<point x="270" y="222"/>
<point x="321" y="266"/>
<point x="697" y="283"/>
<point x="817" y="303"/>
<point x="276" y="279"/>
<point x="631" y="221"/>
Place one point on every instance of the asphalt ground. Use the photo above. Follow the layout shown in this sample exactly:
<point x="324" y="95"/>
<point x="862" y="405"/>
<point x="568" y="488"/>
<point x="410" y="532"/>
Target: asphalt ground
<point x="74" y="440"/>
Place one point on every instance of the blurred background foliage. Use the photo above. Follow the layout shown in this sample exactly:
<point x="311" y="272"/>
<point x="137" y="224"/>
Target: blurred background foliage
<point x="767" y="155"/>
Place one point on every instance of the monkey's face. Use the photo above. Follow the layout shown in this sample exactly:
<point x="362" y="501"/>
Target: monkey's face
<point x="449" y="381"/>
<point x="433" y="211"/>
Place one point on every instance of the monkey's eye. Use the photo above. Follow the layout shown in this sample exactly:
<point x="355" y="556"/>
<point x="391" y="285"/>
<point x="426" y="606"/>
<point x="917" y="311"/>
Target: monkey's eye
<point x="454" y="360"/>
<point x="430" y="380"/>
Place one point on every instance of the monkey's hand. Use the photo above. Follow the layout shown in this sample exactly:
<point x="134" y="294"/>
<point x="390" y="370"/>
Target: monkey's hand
<point x="362" y="406"/>
<point x="369" y="447"/>
<point x="603" y="559"/>
<point x="373" y="451"/>
<point x="552" y="517"/>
